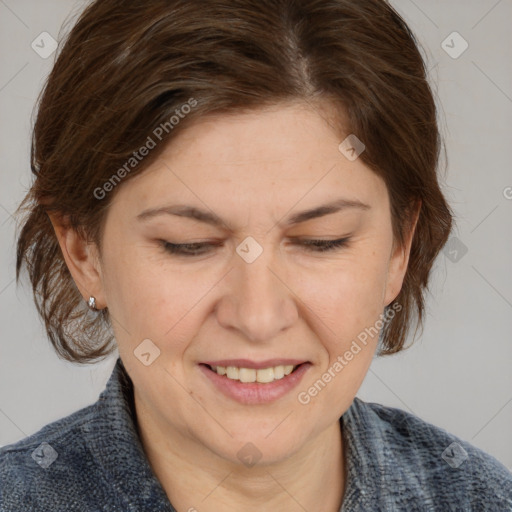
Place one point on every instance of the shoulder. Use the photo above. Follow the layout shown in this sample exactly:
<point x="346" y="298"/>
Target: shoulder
<point x="428" y="457"/>
<point x="47" y="467"/>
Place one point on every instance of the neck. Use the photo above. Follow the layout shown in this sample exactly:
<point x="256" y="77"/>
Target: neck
<point x="196" y="479"/>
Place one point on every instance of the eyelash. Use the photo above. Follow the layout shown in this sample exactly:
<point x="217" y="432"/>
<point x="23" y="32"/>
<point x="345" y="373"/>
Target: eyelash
<point x="310" y="245"/>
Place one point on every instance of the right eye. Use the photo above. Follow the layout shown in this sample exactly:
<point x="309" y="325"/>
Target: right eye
<point x="194" y="249"/>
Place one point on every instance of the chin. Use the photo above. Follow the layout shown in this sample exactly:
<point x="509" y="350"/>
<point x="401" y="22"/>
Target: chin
<point x="258" y="448"/>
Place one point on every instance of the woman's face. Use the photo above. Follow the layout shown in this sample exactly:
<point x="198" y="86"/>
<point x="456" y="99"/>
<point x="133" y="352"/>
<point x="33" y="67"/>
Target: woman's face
<point x="255" y="291"/>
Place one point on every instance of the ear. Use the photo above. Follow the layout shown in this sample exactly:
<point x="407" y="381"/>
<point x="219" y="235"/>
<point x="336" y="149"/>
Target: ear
<point x="82" y="260"/>
<point x="399" y="259"/>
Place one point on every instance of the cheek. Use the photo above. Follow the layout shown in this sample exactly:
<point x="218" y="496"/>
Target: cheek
<point x="348" y="295"/>
<point x="151" y="299"/>
<point x="348" y="302"/>
<point x="139" y="294"/>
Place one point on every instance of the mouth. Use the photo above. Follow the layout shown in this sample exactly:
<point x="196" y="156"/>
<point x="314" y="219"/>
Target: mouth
<point x="253" y="383"/>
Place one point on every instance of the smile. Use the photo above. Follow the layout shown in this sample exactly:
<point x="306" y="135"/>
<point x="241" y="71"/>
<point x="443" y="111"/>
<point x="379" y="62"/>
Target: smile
<point x="253" y="386"/>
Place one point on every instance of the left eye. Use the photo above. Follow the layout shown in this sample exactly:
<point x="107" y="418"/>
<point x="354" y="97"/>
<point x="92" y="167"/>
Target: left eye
<point x="324" y="245"/>
<point x="196" y="248"/>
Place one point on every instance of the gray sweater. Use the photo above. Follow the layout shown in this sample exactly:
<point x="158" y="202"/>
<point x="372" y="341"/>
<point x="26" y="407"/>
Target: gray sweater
<point x="93" y="460"/>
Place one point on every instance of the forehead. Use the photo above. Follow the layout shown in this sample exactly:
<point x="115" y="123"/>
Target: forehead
<point x="284" y="132"/>
<point x="265" y="159"/>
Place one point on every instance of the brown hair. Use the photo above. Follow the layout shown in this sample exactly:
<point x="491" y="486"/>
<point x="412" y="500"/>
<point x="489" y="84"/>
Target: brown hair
<point x="127" y="67"/>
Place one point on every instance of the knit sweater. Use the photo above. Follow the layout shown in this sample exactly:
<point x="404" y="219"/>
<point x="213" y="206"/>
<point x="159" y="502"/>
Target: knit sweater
<point x="93" y="460"/>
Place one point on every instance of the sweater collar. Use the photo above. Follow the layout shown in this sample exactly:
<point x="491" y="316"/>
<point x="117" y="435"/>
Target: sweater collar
<point x="113" y="439"/>
<point x="369" y="460"/>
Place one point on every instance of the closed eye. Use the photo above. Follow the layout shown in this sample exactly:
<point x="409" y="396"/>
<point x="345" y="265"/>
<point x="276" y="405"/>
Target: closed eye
<point x="197" y="249"/>
<point x="324" y="245"/>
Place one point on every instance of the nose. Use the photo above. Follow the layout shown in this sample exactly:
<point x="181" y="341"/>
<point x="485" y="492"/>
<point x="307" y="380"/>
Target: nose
<point x="258" y="301"/>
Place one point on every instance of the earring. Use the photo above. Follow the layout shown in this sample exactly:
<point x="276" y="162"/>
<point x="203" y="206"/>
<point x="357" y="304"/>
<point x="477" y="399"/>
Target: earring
<point x="92" y="303"/>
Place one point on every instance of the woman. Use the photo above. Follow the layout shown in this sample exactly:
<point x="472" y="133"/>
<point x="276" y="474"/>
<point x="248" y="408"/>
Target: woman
<point x="242" y="198"/>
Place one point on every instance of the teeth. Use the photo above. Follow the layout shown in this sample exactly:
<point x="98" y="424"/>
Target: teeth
<point x="262" y="375"/>
<point x="279" y="372"/>
<point x="288" y="369"/>
<point x="247" y="375"/>
<point x="232" y="372"/>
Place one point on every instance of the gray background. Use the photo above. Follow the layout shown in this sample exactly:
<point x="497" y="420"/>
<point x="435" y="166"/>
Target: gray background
<point x="457" y="375"/>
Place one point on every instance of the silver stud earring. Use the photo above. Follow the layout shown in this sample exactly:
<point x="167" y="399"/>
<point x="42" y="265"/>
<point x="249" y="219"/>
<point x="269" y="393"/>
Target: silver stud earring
<point x="92" y="303"/>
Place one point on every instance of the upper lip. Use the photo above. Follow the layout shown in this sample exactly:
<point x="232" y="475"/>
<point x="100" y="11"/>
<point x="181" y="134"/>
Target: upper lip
<point x="247" y="363"/>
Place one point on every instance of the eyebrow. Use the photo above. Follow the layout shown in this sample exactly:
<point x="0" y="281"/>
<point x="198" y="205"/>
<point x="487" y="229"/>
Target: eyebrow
<point x="211" y="218"/>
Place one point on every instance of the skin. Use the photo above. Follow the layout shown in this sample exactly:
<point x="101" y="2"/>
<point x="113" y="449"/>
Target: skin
<point x="253" y="170"/>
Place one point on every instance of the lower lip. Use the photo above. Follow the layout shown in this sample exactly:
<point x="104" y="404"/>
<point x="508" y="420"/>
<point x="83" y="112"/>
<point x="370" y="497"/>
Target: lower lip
<point x="255" y="392"/>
